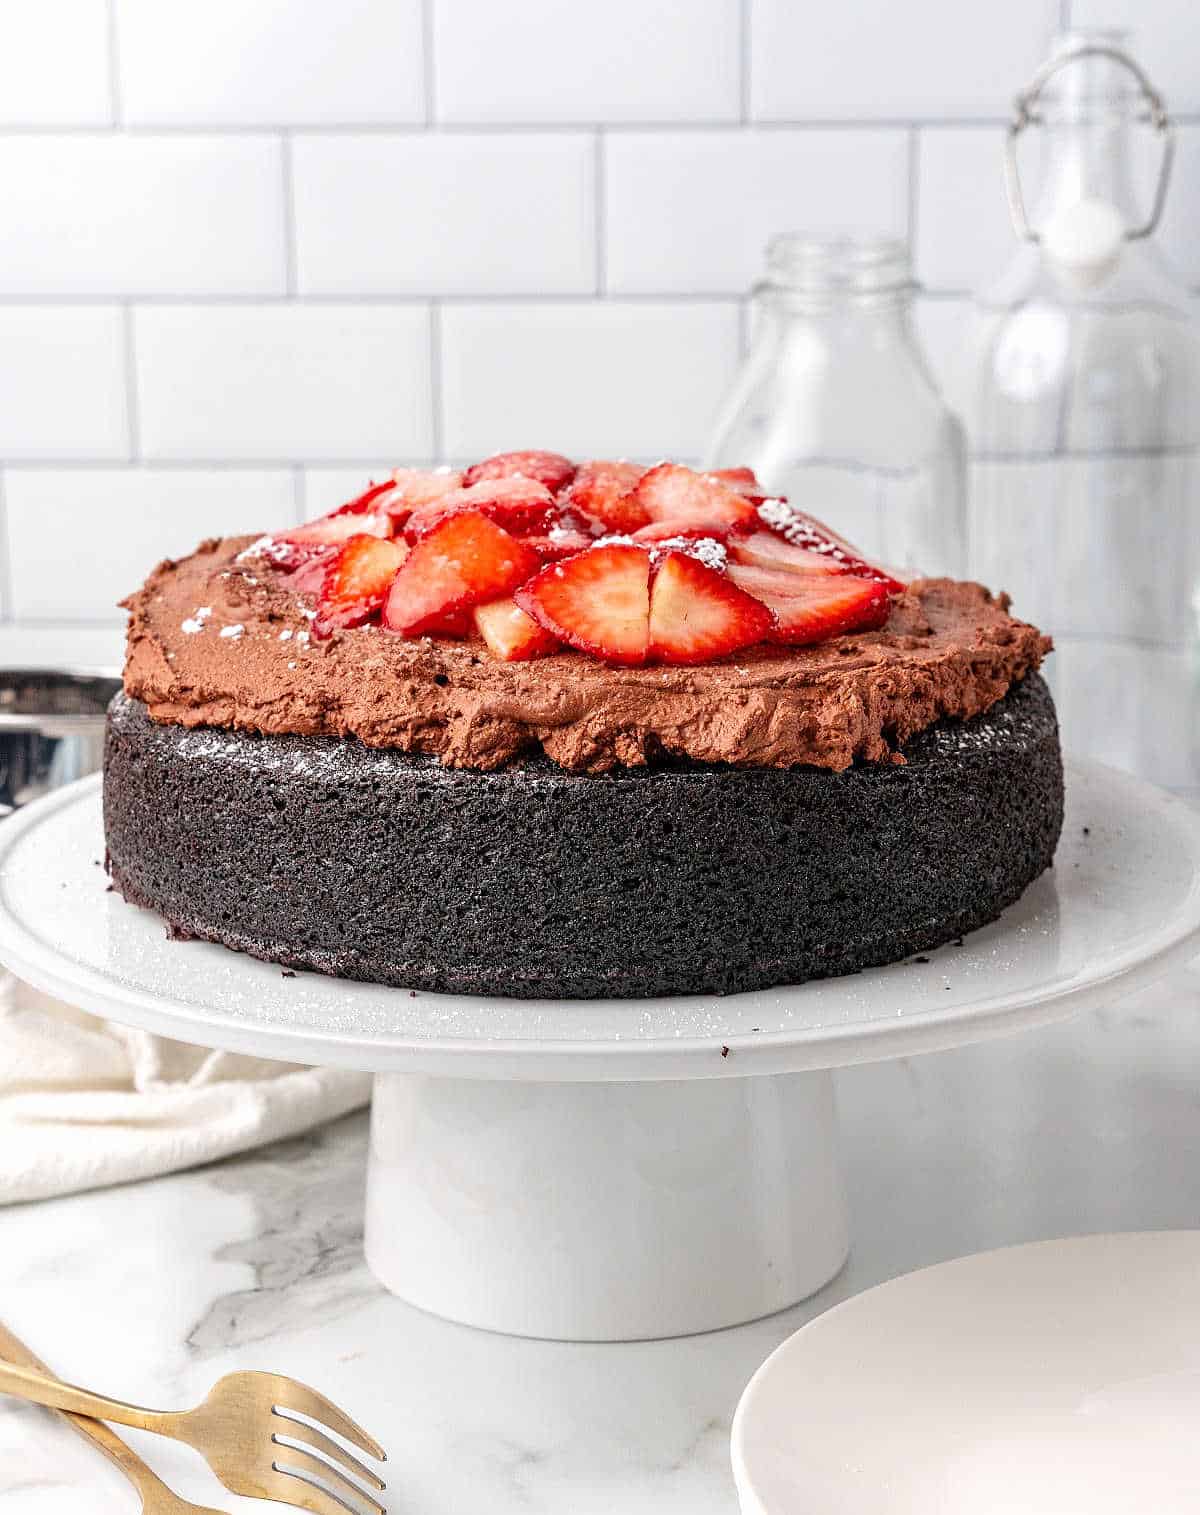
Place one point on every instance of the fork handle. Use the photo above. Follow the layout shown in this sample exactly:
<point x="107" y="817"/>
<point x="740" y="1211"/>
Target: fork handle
<point x="43" y="1389"/>
<point x="144" y="1480"/>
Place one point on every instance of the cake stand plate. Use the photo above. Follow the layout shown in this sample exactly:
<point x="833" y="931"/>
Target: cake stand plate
<point x="613" y="1169"/>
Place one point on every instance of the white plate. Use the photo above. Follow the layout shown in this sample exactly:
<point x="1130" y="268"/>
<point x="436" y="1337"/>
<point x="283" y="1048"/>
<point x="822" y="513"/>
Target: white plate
<point x="1121" y="904"/>
<point x="1061" y="1378"/>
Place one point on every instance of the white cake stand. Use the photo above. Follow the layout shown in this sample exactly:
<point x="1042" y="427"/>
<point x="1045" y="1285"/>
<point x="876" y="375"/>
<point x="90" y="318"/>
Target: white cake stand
<point x="609" y="1170"/>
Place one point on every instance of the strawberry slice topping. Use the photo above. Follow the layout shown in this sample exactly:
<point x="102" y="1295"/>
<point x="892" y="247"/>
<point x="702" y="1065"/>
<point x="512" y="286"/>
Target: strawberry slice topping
<point x="673" y="529"/>
<point x="814" y="607"/>
<point x="598" y="602"/>
<point x="465" y="560"/>
<point x="763" y="549"/>
<point x="671" y="492"/>
<point x="802" y="530"/>
<point x="741" y="480"/>
<point x="518" y="504"/>
<point x="697" y="615"/>
<point x="411" y="488"/>
<point x="293" y="549"/>
<point x="548" y="468"/>
<point x="356" y="582"/>
<point x="562" y="539"/>
<point x="603" y="491"/>
<point x="363" y="502"/>
<point x="511" y="634"/>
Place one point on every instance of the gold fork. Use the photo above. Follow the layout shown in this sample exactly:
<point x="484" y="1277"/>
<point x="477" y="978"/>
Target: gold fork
<point x="156" y="1498"/>
<point x="249" y="1432"/>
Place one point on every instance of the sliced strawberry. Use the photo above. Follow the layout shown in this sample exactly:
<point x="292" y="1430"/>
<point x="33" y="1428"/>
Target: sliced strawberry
<point x="812" y="608"/>
<point x="674" y="529"/>
<point x="763" y="549"/>
<point x="548" y="468"/>
<point x="598" y="602"/>
<point x="672" y="492"/>
<point x="309" y="577"/>
<point x="411" y="488"/>
<point x="455" y="623"/>
<point x="697" y="615"/>
<point x="518" y="504"/>
<point x="356" y="583"/>
<point x="603" y="491"/>
<point x="363" y="502"/>
<point x="464" y="561"/>
<point x="803" y="530"/>
<point x="292" y="549"/>
<point x="561" y="540"/>
<point x="741" y="480"/>
<point x="511" y="635"/>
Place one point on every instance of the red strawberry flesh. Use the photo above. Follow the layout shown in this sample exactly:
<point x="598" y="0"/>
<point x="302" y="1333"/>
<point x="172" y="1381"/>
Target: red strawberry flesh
<point x="803" y="530"/>
<point x="465" y="560"/>
<point x="603" y="491"/>
<point x="548" y="468"/>
<point x="814" y="608"/>
<point x="356" y="583"/>
<point x="597" y="602"/>
<point x="698" y="615"/>
<point x="518" y="504"/>
<point x="512" y="635"/>
<point x="672" y="492"/>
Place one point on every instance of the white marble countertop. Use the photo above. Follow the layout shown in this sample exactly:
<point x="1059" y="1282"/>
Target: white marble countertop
<point x="153" y="1291"/>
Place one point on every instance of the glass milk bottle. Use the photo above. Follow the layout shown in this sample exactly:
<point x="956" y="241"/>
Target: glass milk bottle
<point x="1080" y="399"/>
<point x="836" y="409"/>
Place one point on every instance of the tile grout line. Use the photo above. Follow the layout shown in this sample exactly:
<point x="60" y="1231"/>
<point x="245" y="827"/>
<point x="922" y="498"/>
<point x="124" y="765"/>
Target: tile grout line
<point x="744" y="61"/>
<point x="428" y="62"/>
<point x="133" y="418"/>
<point x="366" y="299"/>
<point x="437" y="416"/>
<point x="114" y="66"/>
<point x="600" y="211"/>
<point x="6" y="578"/>
<point x="289" y="215"/>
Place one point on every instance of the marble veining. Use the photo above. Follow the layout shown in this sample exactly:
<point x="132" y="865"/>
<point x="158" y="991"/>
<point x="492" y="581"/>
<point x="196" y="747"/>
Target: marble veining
<point x="154" y="1290"/>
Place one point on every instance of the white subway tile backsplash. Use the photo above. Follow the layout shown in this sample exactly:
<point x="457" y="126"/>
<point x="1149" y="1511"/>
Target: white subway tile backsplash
<point x="623" y="60"/>
<point x="109" y="214"/>
<point x="1162" y="36"/>
<point x="284" y="381"/>
<point x="964" y="232"/>
<point x="62" y="382"/>
<point x="63" y="646"/>
<point x="692" y="211"/>
<point x="46" y="83"/>
<point x="263" y="62"/>
<point x="123" y="522"/>
<point x="603" y="378"/>
<point x="460" y="214"/>
<point x="872" y="61"/>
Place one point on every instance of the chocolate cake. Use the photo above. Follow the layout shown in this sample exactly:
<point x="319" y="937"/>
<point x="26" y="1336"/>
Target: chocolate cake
<point x="490" y="785"/>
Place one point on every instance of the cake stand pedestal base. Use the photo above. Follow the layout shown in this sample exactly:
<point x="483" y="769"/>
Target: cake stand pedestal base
<point x="604" y="1211"/>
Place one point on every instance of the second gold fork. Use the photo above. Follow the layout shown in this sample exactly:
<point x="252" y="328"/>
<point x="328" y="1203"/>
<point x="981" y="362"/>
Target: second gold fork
<point x="253" y="1432"/>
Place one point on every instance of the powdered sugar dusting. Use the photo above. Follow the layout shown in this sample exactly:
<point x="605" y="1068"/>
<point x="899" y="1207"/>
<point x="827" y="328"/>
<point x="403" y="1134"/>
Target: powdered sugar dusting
<point x="232" y="632"/>
<point x="706" y="550"/>
<point x="265" y="547"/>
<point x="195" y="622"/>
<point x="286" y="636"/>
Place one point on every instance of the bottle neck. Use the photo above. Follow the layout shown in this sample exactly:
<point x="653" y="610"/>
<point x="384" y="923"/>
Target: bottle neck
<point x="1087" y="159"/>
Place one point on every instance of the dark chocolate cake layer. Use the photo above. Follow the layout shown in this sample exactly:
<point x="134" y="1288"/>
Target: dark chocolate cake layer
<point x="530" y="881"/>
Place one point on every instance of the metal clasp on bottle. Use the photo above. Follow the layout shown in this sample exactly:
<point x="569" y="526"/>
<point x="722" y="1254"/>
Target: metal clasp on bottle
<point x="1026" y="114"/>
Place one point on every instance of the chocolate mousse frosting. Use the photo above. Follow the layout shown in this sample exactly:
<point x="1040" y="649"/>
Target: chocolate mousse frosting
<point x="218" y="639"/>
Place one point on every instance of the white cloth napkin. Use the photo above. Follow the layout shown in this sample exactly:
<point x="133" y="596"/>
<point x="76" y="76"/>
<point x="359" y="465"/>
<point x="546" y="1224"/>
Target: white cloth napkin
<point x="85" y="1102"/>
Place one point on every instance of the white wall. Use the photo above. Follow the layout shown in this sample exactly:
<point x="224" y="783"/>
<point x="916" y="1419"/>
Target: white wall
<point x="251" y="250"/>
